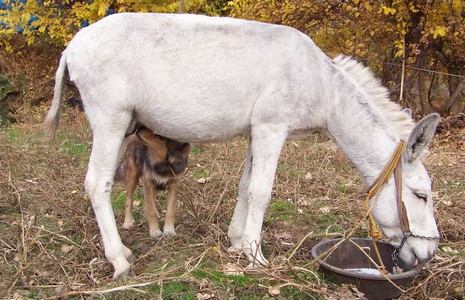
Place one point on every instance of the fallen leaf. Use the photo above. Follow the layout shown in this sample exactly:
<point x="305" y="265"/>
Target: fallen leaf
<point x="232" y="270"/>
<point x="66" y="248"/>
<point x="324" y="209"/>
<point x="201" y="296"/>
<point x="282" y="236"/>
<point x="274" y="291"/>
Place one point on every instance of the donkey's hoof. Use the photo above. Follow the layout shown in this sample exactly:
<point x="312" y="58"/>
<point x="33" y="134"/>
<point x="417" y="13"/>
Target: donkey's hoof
<point x="131" y="258"/>
<point x="255" y="266"/>
<point x="121" y="275"/>
<point x="235" y="249"/>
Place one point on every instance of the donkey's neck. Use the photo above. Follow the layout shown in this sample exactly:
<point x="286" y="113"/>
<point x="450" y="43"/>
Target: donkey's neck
<point x="362" y="134"/>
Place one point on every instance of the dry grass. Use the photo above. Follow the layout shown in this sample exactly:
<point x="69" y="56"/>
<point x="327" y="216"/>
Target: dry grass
<point x="51" y="248"/>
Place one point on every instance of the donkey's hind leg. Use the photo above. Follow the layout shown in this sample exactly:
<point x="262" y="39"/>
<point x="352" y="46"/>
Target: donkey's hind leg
<point x="108" y="138"/>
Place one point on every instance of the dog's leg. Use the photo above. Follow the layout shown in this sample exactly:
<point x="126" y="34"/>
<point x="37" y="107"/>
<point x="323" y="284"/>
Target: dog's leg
<point x="170" y="217"/>
<point x="131" y="180"/>
<point x="150" y="192"/>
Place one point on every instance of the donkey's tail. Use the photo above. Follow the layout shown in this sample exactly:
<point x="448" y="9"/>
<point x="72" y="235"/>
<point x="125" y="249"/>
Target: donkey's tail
<point x="53" y="116"/>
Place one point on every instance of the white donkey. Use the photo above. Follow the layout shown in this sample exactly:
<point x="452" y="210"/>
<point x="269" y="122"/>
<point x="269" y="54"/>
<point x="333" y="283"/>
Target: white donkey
<point x="205" y="79"/>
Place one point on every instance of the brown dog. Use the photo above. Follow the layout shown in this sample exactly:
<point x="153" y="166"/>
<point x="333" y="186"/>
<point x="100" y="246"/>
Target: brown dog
<point x="160" y="163"/>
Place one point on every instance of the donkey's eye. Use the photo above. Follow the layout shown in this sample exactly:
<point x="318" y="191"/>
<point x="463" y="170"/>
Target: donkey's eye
<point x="422" y="196"/>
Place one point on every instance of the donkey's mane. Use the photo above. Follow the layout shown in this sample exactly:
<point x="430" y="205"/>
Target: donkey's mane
<point x="378" y="95"/>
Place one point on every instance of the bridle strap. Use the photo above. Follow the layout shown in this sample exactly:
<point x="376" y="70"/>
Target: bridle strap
<point x="387" y="171"/>
<point x="402" y="211"/>
<point x="394" y="166"/>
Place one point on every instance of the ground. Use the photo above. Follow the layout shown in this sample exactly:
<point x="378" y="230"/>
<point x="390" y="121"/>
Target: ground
<point x="51" y="248"/>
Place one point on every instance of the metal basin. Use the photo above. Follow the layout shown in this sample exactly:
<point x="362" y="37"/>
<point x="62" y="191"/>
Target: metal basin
<point x="348" y="256"/>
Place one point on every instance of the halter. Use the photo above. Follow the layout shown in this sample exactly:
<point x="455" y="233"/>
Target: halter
<point x="394" y="166"/>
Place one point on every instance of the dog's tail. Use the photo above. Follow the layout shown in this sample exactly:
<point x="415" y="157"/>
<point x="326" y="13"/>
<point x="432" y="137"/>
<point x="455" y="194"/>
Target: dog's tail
<point x="119" y="174"/>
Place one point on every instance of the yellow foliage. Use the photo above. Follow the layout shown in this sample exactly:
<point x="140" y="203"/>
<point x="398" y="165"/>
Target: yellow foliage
<point x="414" y="9"/>
<point x="388" y="10"/>
<point x="60" y="20"/>
<point x="439" y="31"/>
<point x="368" y="6"/>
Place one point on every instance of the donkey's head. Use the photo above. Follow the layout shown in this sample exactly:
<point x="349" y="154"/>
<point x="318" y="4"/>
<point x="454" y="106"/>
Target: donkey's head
<point x="409" y="222"/>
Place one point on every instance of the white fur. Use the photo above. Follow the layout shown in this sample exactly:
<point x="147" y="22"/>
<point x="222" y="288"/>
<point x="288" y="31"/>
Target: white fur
<point x="201" y="79"/>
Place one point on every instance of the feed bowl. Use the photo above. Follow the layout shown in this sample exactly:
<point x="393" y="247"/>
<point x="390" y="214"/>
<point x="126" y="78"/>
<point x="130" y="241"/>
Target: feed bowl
<point x="348" y="264"/>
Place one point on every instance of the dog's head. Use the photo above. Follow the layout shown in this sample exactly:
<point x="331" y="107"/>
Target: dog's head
<point x="164" y="151"/>
<point x="156" y="144"/>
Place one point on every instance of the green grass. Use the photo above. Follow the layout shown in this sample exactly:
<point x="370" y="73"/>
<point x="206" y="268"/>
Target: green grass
<point x="460" y="186"/>
<point x="280" y="211"/>
<point x="222" y="280"/>
<point x="73" y="148"/>
<point x="200" y="173"/>
<point x="174" y="290"/>
<point x="329" y="220"/>
<point x="290" y="170"/>
<point x="12" y="134"/>
<point x="196" y="149"/>
<point x="118" y="198"/>
<point x="71" y="145"/>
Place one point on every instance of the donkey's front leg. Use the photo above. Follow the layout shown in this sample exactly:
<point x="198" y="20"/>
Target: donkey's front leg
<point x="267" y="142"/>
<point x="98" y="184"/>
<point x="236" y="227"/>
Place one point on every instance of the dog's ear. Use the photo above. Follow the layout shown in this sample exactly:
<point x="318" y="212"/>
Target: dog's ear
<point x="155" y="143"/>
<point x="180" y="152"/>
<point x="186" y="149"/>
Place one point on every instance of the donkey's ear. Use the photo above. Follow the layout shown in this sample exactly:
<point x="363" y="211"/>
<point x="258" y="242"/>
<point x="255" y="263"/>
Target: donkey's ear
<point x="421" y="135"/>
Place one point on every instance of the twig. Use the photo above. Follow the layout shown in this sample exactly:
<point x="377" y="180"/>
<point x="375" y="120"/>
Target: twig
<point x="212" y="214"/>
<point x="130" y="287"/>
<point x="56" y="234"/>
<point x="299" y="245"/>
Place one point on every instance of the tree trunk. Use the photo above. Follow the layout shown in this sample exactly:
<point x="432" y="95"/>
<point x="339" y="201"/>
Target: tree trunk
<point x="456" y="85"/>
<point x="422" y="86"/>
<point x="424" y="102"/>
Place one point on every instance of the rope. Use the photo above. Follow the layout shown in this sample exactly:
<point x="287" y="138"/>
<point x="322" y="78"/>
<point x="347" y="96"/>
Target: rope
<point x="374" y="188"/>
